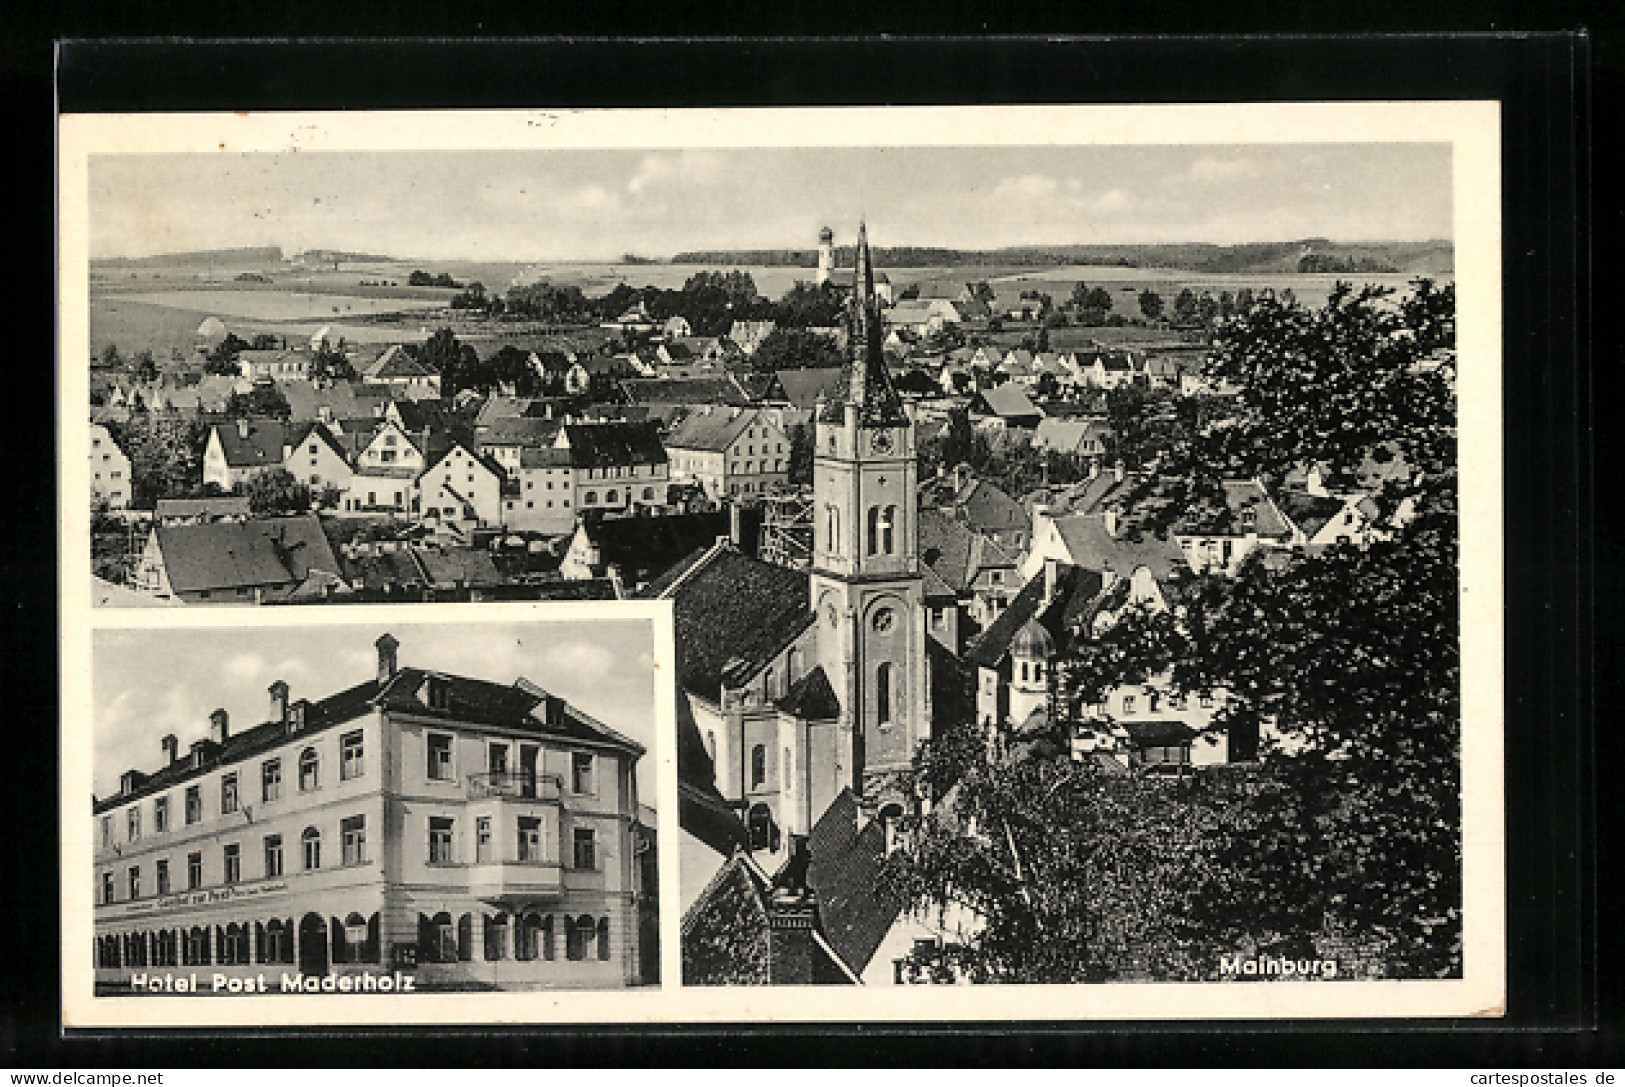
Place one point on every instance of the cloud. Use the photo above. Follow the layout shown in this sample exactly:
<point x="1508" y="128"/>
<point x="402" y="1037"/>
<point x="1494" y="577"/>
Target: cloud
<point x="581" y="661"/>
<point x="684" y="167"/>
<point x="244" y="666"/>
<point x="1027" y="187"/>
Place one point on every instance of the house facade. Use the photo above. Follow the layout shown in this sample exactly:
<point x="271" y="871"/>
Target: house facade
<point x="731" y="452"/>
<point x="109" y="470"/>
<point x="419" y="825"/>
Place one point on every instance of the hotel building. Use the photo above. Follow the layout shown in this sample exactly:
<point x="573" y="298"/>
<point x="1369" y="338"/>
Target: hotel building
<point x="471" y="834"/>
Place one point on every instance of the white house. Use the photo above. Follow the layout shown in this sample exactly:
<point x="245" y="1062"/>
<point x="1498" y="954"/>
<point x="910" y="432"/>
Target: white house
<point x="109" y="470"/>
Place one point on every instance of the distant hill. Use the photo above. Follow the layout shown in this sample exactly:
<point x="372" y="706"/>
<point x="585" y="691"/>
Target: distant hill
<point x="339" y="256"/>
<point x="268" y="254"/>
<point x="1306" y="255"/>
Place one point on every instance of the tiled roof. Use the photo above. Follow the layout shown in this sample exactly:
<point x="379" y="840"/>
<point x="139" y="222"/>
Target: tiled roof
<point x="518" y="430"/>
<point x="733" y="614"/>
<point x="318" y="432"/>
<point x="1075" y="591"/>
<point x="713" y="430"/>
<point x="224" y="506"/>
<point x="274" y="551"/>
<point x="723" y="389"/>
<point x="1008" y="401"/>
<point x="1158" y="733"/>
<point x="531" y="456"/>
<point x="985" y="508"/>
<point x="394" y="362"/>
<point x="640" y="546"/>
<point x="803" y="387"/>
<point x="466" y="700"/>
<point x="459" y="566"/>
<point x="953" y="552"/>
<point x="1309" y="512"/>
<point x="1092" y="547"/>
<point x="601" y="445"/>
<point x="258" y="445"/>
<point x="811" y="698"/>
<point x="855" y="908"/>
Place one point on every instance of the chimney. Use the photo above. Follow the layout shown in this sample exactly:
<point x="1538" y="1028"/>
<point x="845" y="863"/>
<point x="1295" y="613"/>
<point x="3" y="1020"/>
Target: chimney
<point x="1117" y="471"/>
<point x="287" y="451"/>
<point x="386" y="657"/>
<point x="324" y="412"/>
<point x="1110" y="517"/>
<point x="1094" y="468"/>
<point x="279" y="701"/>
<point x="172" y="748"/>
<point x="219" y="726"/>
<point x="242" y="428"/>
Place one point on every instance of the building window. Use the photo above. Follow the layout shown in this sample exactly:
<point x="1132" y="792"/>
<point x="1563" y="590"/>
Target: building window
<point x="497" y="759"/>
<point x="1128" y="704"/>
<point x="354" y="831"/>
<point x="351" y="752"/>
<point x="310" y="770"/>
<point x="194" y="871"/>
<point x="883" y="694"/>
<point x="1205" y="701"/>
<point x="784" y="769"/>
<point x="311" y="843"/>
<point x="888" y="527"/>
<point x="758" y="766"/>
<point x="832" y="529"/>
<point x="133" y="823"/>
<point x="530" y="839"/>
<point x="586" y="848"/>
<point x="160" y="814"/>
<point x="273" y="856"/>
<point x="439" y="757"/>
<point x="161" y="871"/>
<point x="194" y="805"/>
<point x="764" y="832"/>
<point x="482" y="840"/>
<point x="581" y="772"/>
<point x="496" y="937"/>
<point x="135" y="882"/>
<point x="234" y="863"/>
<point x="590" y="498"/>
<point x="107" y="832"/>
<point x="107" y="888"/>
<point x="270" y="780"/>
<point x="439" y="840"/>
<point x="228" y="794"/>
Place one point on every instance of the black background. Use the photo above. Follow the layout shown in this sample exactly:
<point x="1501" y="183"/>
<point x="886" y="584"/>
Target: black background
<point x="1554" y="1017"/>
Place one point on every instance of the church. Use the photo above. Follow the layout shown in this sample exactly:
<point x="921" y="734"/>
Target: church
<point x="804" y="693"/>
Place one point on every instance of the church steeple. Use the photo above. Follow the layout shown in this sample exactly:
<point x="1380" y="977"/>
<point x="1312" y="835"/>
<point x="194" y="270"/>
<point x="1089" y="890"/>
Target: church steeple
<point x="869" y="386"/>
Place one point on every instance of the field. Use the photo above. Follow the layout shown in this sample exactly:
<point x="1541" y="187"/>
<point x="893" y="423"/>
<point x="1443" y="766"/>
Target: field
<point x="158" y="307"/>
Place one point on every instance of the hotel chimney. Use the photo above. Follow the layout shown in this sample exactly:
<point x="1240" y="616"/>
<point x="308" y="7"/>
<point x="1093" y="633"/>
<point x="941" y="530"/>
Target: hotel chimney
<point x="219" y="726"/>
<point x="279" y="701"/>
<point x="172" y="749"/>
<point x="386" y="657"/>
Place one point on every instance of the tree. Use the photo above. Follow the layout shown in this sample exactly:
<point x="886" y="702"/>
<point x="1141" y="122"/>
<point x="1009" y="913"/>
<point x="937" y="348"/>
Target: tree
<point x="801" y="455"/>
<point x="809" y="305"/>
<point x="275" y="491"/>
<point x="331" y="363"/>
<point x="223" y="359"/>
<point x="166" y="454"/>
<point x="143" y="367"/>
<point x="111" y="359"/>
<point x="1185" y="306"/>
<point x="915" y="381"/>
<point x="795" y="349"/>
<point x="266" y="341"/>
<point x="1151" y="305"/>
<point x="264" y="400"/>
<point x="443" y="351"/>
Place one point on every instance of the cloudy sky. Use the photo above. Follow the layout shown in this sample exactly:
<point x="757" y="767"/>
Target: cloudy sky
<point x="596" y="205"/>
<point x="152" y="682"/>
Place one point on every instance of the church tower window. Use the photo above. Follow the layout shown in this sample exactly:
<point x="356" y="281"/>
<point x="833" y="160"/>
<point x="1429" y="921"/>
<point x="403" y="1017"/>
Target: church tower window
<point x="888" y="526"/>
<point x="883" y="694"/>
<point x="758" y="766"/>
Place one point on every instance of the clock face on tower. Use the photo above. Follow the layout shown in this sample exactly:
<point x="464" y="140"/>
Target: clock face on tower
<point x="883" y="620"/>
<point x="881" y="441"/>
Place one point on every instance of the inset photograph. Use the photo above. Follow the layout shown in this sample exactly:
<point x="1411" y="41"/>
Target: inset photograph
<point x="354" y="808"/>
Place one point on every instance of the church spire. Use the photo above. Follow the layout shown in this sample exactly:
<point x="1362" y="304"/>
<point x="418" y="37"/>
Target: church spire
<point x="869" y="387"/>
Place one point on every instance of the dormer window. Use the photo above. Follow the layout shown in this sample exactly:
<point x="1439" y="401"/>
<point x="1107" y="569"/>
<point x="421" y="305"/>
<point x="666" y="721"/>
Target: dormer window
<point x="435" y="693"/>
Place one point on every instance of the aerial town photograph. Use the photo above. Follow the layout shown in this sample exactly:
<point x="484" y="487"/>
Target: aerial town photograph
<point x="349" y="809"/>
<point x="1061" y="540"/>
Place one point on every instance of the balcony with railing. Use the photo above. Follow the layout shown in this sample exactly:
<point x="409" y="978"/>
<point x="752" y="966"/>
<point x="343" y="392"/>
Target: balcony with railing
<point x="517" y="785"/>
